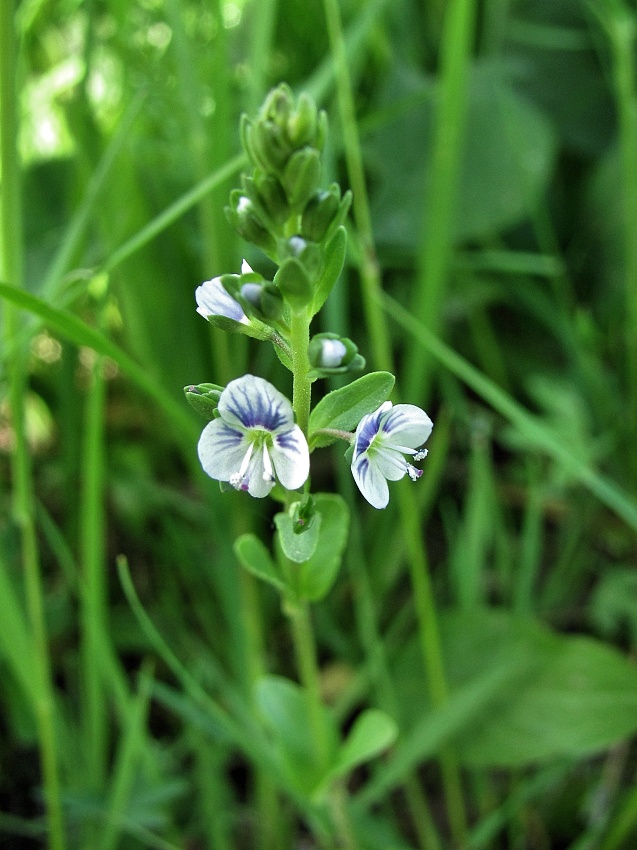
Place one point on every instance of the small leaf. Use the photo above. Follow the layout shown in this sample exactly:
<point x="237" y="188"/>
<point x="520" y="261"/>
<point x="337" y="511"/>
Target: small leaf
<point x="343" y="409"/>
<point x="317" y="575"/>
<point x="256" y="559"/>
<point x="334" y="259"/>
<point x="285" y="709"/>
<point x="372" y="733"/>
<point x="297" y="546"/>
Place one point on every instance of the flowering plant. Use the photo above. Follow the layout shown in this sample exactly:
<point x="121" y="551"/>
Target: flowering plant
<point x="260" y="442"/>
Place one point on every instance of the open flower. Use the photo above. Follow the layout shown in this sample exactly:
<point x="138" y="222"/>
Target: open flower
<point x="381" y="440"/>
<point x="213" y="300"/>
<point x="254" y="439"/>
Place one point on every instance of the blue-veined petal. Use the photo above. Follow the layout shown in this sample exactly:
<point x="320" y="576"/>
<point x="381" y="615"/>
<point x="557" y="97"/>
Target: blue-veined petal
<point x="291" y="458"/>
<point x="371" y="481"/>
<point x="406" y="425"/>
<point x="213" y="300"/>
<point x="221" y="450"/>
<point x="251" y="402"/>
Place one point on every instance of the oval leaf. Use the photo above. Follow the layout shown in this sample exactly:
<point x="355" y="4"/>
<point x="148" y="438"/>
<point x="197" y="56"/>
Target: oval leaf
<point x="343" y="409"/>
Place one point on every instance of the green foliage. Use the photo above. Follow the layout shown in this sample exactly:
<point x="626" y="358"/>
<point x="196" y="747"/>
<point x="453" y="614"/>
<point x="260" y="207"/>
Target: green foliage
<point x="343" y="409"/>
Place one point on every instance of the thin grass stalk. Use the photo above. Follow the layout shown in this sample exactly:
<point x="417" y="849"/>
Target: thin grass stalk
<point x="93" y="599"/>
<point x="436" y="250"/>
<point x="369" y="269"/>
<point x="379" y="334"/>
<point x="622" y="29"/>
<point x="23" y="503"/>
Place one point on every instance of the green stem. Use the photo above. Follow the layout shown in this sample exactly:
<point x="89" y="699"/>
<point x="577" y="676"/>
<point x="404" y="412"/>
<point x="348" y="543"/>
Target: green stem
<point x="305" y="651"/>
<point x="23" y="500"/>
<point x="302" y="388"/>
<point x="94" y="604"/>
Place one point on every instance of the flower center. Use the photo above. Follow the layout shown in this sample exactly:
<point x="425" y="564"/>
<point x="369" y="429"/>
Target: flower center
<point x="257" y="439"/>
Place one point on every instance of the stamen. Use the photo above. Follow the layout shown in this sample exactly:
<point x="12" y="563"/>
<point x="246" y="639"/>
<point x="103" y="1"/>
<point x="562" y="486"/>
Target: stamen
<point x="236" y="480"/>
<point x="421" y="455"/>
<point x="268" y="473"/>
<point x="413" y="473"/>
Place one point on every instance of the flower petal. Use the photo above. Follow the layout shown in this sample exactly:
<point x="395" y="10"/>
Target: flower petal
<point x="405" y="425"/>
<point x="254" y="481"/>
<point x="222" y="450"/>
<point x="291" y="458"/>
<point x="213" y="300"/>
<point x="390" y="462"/>
<point x="368" y="428"/>
<point x="370" y="481"/>
<point x="251" y="402"/>
<point x="246" y="268"/>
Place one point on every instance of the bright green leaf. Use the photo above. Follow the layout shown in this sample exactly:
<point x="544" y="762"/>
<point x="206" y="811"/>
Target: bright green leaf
<point x="317" y="575"/>
<point x="256" y="559"/>
<point x="298" y="547"/>
<point x="343" y="409"/>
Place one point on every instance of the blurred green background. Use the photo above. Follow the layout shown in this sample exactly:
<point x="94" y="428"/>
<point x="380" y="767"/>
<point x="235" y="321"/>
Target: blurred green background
<point x="497" y="140"/>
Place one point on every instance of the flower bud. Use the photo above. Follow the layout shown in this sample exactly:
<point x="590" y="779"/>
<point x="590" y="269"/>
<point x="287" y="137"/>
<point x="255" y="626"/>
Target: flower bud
<point x="294" y="284"/>
<point x="204" y="398"/>
<point x="302" y="123"/>
<point x="331" y="354"/>
<point x="272" y="196"/>
<point x="244" y="217"/>
<point x="319" y="213"/>
<point x="302" y="175"/>
<point x="308" y="253"/>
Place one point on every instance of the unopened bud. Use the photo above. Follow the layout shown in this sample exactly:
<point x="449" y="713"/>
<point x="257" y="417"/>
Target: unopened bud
<point x="204" y="398"/>
<point x="302" y="175"/>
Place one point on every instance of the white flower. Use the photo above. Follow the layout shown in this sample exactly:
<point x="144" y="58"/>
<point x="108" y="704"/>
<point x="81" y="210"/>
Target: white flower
<point x="381" y="440"/>
<point x="254" y="439"/>
<point x="213" y="300"/>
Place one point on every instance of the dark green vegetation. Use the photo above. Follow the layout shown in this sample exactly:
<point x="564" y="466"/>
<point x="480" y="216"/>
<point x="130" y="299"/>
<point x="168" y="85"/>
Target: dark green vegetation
<point x="492" y="150"/>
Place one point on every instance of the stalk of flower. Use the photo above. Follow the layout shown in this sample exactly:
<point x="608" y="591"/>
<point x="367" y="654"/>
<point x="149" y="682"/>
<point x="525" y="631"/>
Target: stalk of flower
<point x="254" y="440"/>
<point x="380" y="441"/>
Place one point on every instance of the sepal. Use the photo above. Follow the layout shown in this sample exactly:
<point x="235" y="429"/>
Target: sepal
<point x="294" y="284"/>
<point x="204" y="398"/>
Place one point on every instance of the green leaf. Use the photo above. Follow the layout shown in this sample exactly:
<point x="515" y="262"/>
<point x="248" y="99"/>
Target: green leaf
<point x="317" y="575"/>
<point x="78" y="332"/>
<point x="372" y="732"/>
<point x="577" y="696"/>
<point x="343" y="409"/>
<point x="256" y="559"/>
<point x="334" y="259"/>
<point x="297" y="546"/>
<point x="285" y="709"/>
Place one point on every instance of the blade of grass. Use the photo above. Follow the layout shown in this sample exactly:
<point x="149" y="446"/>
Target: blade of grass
<point x="186" y="202"/>
<point x="82" y="217"/>
<point x="435" y="254"/>
<point x="93" y="597"/>
<point x="533" y="429"/>
<point x="78" y="332"/>
<point x="438" y="726"/>
<point x="379" y="336"/>
<point x="127" y="759"/>
<point x="23" y="503"/>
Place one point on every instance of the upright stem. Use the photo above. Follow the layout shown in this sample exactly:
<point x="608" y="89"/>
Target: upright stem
<point x="23" y="501"/>
<point x="305" y="651"/>
<point x="302" y="388"/>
